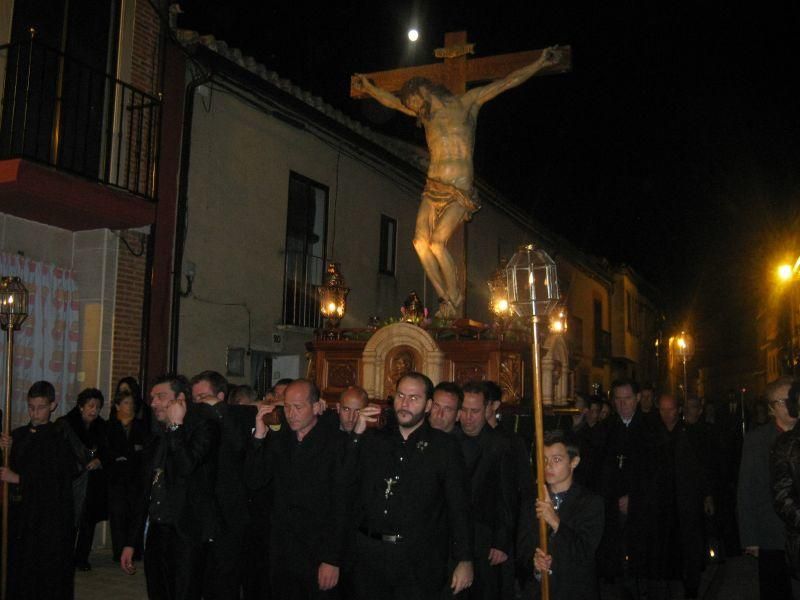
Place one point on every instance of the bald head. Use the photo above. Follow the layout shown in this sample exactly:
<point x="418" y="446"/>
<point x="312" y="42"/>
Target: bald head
<point x="692" y="410"/>
<point x="668" y="410"/>
<point x="352" y="400"/>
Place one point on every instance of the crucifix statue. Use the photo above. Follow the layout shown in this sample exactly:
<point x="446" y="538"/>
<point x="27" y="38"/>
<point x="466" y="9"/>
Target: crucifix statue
<point x="437" y="96"/>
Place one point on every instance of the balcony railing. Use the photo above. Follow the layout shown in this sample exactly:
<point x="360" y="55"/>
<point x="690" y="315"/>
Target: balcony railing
<point x="63" y="113"/>
<point x="302" y="276"/>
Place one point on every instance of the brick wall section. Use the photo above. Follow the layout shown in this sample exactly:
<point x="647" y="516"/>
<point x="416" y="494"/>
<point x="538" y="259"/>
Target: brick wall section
<point x="129" y="301"/>
<point x="128" y="308"/>
<point x="146" y="48"/>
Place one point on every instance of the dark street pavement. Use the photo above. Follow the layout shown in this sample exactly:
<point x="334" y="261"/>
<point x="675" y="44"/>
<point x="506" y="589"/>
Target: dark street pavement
<point x="734" y="579"/>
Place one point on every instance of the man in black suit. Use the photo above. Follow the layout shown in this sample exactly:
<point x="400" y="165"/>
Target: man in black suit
<point x="447" y="399"/>
<point x="627" y="484"/>
<point x="178" y="495"/>
<point x="412" y="504"/>
<point x="224" y="572"/>
<point x="760" y="528"/>
<point x="305" y="463"/>
<point x="490" y="470"/>
<point x="524" y="497"/>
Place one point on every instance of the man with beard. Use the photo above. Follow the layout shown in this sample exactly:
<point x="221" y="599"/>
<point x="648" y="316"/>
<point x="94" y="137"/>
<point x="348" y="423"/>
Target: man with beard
<point x="412" y="505"/>
<point x="177" y="500"/>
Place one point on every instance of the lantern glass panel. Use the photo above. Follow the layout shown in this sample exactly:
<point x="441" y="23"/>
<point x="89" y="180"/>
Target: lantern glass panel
<point x="532" y="282"/>
<point x="498" y="294"/>
<point x="13" y="302"/>
<point x="333" y="294"/>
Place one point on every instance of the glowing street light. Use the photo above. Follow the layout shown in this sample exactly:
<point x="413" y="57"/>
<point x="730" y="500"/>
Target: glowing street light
<point x="789" y="276"/>
<point x="785" y="272"/>
<point x="413" y="35"/>
<point x="684" y="347"/>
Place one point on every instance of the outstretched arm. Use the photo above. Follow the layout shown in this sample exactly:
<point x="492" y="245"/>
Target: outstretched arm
<point x="550" y="56"/>
<point x="386" y="98"/>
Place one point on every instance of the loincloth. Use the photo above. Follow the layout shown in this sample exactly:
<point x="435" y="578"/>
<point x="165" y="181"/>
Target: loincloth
<point x="441" y="195"/>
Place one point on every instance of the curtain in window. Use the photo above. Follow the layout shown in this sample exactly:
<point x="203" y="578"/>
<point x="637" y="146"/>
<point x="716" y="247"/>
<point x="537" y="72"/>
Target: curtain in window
<point x="47" y="345"/>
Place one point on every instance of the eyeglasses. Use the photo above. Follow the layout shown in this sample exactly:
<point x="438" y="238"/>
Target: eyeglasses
<point x="774" y="403"/>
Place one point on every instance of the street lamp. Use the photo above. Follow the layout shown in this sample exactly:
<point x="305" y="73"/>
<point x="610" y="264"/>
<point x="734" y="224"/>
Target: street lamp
<point x="789" y="275"/>
<point x="532" y="285"/>
<point x="13" y="312"/>
<point x="333" y="296"/>
<point x="684" y="347"/>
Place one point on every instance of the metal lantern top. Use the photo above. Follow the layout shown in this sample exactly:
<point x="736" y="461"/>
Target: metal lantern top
<point x="532" y="282"/>
<point x="684" y="346"/>
<point x="13" y="302"/>
<point x="333" y="293"/>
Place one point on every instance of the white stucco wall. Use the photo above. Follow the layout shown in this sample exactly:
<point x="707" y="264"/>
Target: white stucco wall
<point x="238" y="192"/>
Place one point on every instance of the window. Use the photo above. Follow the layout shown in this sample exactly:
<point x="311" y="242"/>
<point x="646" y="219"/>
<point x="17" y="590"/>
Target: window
<point x="388" y="245"/>
<point x="602" y="338"/>
<point x="575" y="334"/>
<point x="632" y="313"/>
<point x="306" y="227"/>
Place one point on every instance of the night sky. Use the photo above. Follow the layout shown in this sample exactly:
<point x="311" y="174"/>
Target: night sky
<point x="673" y="146"/>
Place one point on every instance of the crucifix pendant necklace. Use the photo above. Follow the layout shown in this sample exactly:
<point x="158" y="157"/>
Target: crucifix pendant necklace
<point x="391" y="481"/>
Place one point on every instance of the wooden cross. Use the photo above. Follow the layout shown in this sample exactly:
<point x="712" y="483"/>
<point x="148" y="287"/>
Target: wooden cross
<point x="457" y="71"/>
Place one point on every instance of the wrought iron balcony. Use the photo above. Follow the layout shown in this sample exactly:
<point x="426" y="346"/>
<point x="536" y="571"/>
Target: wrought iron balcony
<point x="59" y="112"/>
<point x="302" y="276"/>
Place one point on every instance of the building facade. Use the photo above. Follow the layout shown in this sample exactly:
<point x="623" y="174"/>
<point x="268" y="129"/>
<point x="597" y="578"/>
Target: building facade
<point x="80" y="137"/>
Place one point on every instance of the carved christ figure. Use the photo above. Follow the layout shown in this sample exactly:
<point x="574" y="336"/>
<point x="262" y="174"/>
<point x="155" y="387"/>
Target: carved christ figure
<point x="449" y="197"/>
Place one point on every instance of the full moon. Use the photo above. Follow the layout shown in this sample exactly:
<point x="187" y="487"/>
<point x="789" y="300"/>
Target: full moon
<point x="413" y="35"/>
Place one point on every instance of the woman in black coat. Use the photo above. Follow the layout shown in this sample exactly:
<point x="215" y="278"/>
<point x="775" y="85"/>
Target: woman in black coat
<point x="127" y="437"/>
<point x="129" y="386"/>
<point x="92" y="453"/>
